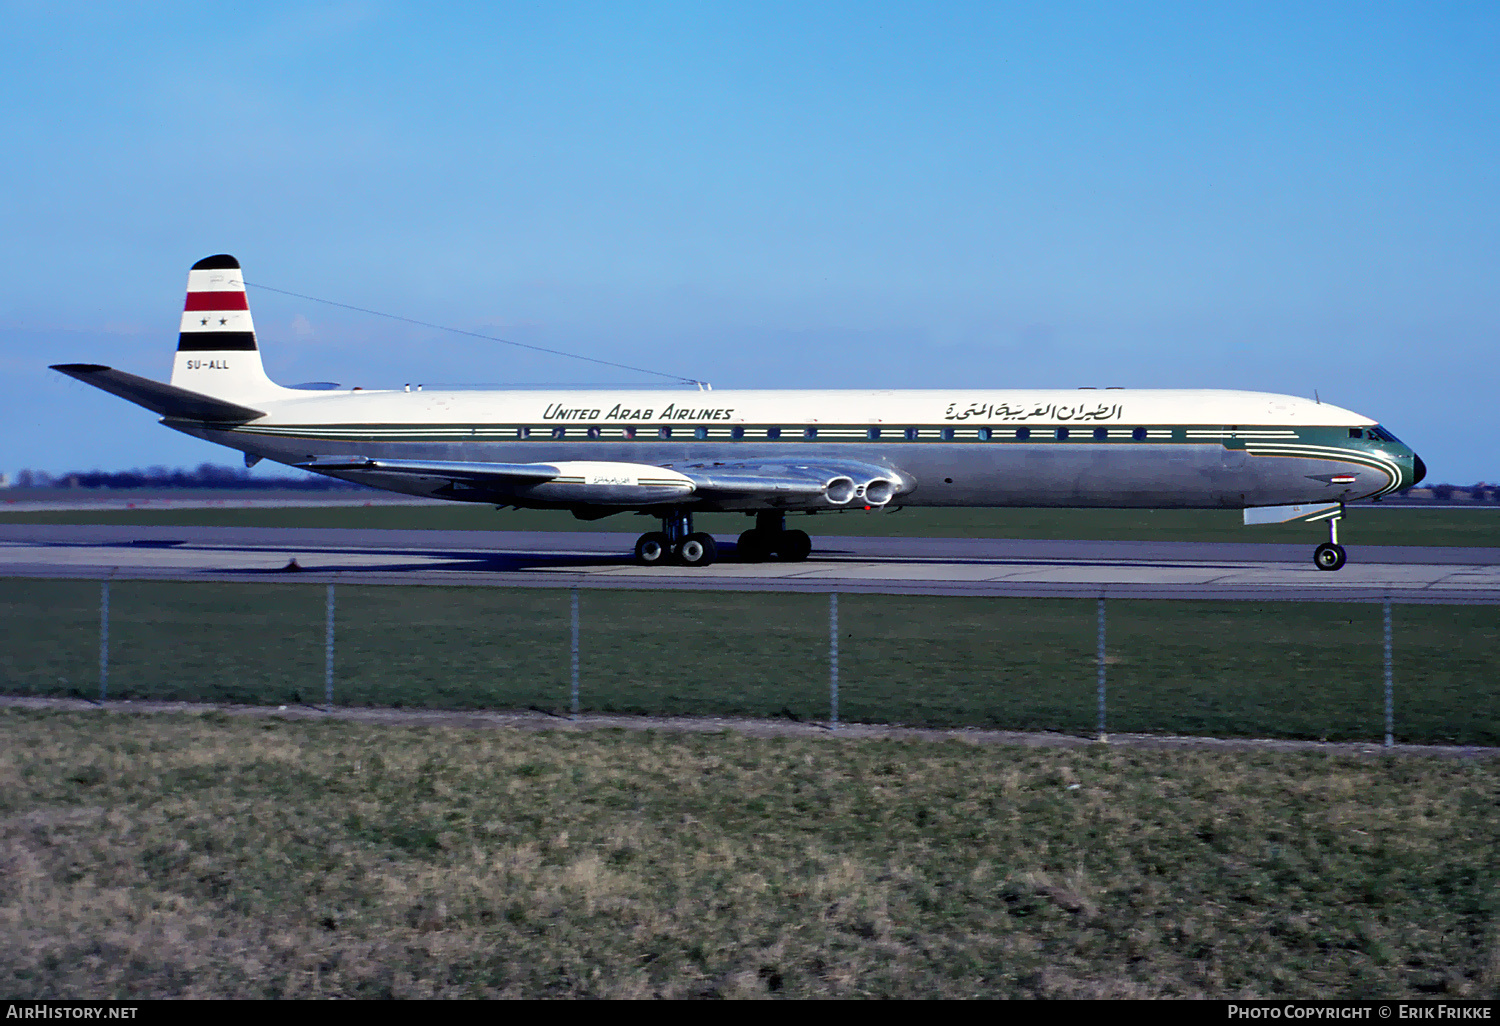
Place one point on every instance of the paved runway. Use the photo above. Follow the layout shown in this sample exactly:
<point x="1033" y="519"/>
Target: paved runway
<point x="935" y="566"/>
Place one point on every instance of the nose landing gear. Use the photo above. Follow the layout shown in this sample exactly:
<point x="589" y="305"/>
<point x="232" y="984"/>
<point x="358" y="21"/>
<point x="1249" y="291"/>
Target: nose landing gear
<point x="1330" y="555"/>
<point x="676" y="542"/>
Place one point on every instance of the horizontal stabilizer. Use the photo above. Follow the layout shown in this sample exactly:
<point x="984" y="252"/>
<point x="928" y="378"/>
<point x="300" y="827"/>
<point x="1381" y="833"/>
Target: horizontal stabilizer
<point x="1286" y="514"/>
<point x="166" y="400"/>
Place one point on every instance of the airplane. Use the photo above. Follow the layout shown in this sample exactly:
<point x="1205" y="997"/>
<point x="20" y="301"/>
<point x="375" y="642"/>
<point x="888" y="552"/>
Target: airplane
<point x="769" y="453"/>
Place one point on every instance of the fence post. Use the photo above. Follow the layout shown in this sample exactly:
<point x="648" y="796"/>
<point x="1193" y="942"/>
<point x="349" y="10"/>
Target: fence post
<point x="1389" y="708"/>
<point x="573" y="708"/>
<point x="833" y="660"/>
<point x="103" y="639"/>
<point x="1103" y="737"/>
<point x="328" y="655"/>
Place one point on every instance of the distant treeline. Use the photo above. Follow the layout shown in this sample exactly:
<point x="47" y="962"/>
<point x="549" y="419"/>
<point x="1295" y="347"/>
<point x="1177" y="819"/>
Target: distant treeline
<point x="1480" y="492"/>
<point x="205" y="475"/>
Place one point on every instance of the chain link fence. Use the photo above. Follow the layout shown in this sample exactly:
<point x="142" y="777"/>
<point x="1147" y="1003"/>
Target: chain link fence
<point x="1371" y="671"/>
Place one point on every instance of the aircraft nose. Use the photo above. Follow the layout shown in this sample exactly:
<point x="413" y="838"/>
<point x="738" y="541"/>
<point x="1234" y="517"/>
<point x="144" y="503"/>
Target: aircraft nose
<point x="1418" y="469"/>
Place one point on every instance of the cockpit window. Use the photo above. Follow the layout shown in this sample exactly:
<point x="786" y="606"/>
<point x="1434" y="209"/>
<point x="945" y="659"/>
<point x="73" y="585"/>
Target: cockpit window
<point x="1381" y="434"/>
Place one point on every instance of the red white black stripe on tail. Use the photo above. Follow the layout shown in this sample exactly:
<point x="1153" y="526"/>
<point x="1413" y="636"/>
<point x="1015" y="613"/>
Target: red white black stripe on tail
<point x="216" y="350"/>
<point x="216" y="316"/>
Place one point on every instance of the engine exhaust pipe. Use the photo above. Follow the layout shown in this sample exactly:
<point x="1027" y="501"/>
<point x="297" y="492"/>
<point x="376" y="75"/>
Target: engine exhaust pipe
<point x="879" y="492"/>
<point x="839" y="490"/>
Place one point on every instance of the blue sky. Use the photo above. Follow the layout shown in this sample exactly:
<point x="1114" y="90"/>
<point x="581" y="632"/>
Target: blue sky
<point x="1283" y="197"/>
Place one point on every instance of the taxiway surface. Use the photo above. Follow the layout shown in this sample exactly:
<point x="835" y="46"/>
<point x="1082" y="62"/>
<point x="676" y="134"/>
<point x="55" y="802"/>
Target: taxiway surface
<point x="934" y="566"/>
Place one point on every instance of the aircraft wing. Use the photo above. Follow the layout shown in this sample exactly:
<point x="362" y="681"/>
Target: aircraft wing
<point x="575" y="483"/>
<point x="785" y="484"/>
<point x="166" y="400"/>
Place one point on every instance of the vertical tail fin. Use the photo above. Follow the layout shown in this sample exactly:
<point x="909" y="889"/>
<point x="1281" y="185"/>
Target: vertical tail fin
<point x="216" y="351"/>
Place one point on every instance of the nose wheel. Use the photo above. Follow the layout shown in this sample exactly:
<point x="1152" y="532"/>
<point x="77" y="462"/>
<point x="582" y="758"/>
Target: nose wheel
<point x="1330" y="555"/>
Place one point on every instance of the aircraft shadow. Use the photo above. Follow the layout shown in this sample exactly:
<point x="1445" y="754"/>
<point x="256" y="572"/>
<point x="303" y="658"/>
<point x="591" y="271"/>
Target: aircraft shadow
<point x="468" y="561"/>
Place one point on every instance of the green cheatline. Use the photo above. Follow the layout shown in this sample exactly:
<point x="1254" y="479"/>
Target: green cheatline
<point x="1228" y="669"/>
<point x="1364" y="525"/>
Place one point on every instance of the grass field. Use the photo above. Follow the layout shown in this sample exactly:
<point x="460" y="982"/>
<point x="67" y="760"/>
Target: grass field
<point x="210" y="856"/>
<point x="1292" y="670"/>
<point x="1364" y="526"/>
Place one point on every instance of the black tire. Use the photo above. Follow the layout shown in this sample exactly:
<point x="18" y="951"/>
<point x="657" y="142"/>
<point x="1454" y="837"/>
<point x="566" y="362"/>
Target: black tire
<point x="697" y="550"/>
<point x="652" y="549"/>
<point x="793" y="546"/>
<point x="753" y="546"/>
<point x="1329" y="556"/>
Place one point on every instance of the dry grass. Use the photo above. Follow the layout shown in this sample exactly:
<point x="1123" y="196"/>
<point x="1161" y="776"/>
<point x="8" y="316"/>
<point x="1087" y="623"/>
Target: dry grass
<point x="205" y="856"/>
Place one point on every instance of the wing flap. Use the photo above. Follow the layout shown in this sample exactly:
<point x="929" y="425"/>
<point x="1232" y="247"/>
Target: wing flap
<point x="159" y="398"/>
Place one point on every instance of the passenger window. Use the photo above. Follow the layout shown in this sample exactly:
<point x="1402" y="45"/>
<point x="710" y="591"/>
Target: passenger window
<point x="947" y="434"/>
<point x="1062" y="433"/>
<point x="874" y="433"/>
<point x="700" y="433"/>
<point x="984" y="434"/>
<point x="559" y="432"/>
<point x="737" y="433"/>
<point x="630" y="432"/>
<point x="1139" y="434"/>
<point x="523" y="432"/>
<point x="1100" y="434"/>
<point x="810" y="432"/>
<point x="773" y="432"/>
<point x="1023" y="432"/>
<point x="911" y="434"/>
<point x="665" y="432"/>
<point x="593" y="432"/>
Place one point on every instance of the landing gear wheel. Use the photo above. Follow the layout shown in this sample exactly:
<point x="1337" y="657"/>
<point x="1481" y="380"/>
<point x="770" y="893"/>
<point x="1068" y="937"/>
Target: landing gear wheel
<point x="793" y="546"/>
<point x="697" y="550"/>
<point x="652" y="549"/>
<point x="754" y="546"/>
<point x="1329" y="556"/>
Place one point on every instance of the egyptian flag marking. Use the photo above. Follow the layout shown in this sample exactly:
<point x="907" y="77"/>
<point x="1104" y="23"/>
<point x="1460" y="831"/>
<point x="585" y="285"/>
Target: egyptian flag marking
<point x="216" y="314"/>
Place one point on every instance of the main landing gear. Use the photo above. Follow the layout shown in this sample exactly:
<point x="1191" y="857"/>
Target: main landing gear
<point x="676" y="543"/>
<point x="1330" y="555"/>
<point x="769" y="537"/>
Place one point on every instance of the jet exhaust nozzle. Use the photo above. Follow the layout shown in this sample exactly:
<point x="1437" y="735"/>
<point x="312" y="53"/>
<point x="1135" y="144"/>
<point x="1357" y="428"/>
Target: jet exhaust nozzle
<point x="839" y="490"/>
<point x="879" y="491"/>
